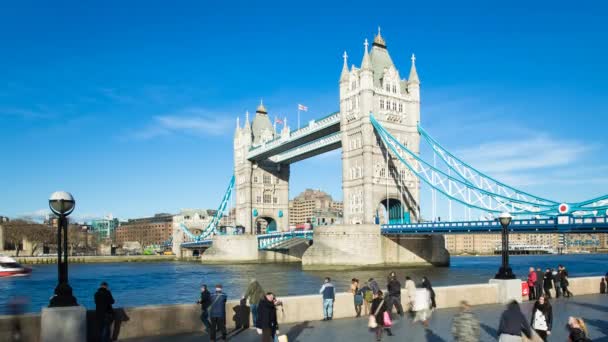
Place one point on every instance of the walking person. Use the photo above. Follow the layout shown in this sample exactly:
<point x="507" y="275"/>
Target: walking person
<point x="564" y="283"/>
<point x="557" y="278"/>
<point x="426" y="283"/>
<point x="513" y="324"/>
<point x="394" y="294"/>
<point x="329" y="295"/>
<point x="603" y="286"/>
<point x="531" y="284"/>
<point x="548" y="283"/>
<point x="578" y="330"/>
<point x="542" y="317"/>
<point x="104" y="313"/>
<point x="368" y="297"/>
<point x="357" y="295"/>
<point x="217" y="311"/>
<point x="538" y="285"/>
<point x="266" y="323"/>
<point x="204" y="302"/>
<point x="410" y="288"/>
<point x="378" y="309"/>
<point x="254" y="294"/>
<point x="423" y="306"/>
<point x="373" y="284"/>
<point x="465" y="326"/>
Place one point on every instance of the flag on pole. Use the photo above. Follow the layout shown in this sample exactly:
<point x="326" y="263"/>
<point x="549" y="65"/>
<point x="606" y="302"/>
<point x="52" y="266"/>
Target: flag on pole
<point x="302" y="107"/>
<point x="278" y="120"/>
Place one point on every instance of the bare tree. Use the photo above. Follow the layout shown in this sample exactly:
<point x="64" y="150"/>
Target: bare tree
<point x="15" y="232"/>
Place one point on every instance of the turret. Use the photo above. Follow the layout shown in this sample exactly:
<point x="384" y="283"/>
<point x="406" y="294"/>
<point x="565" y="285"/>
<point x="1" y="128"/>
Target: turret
<point x="344" y="76"/>
<point x="413" y="82"/>
<point x="367" y="77"/>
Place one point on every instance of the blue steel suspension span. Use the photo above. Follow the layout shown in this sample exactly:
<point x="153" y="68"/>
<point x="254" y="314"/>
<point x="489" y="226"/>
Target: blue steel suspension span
<point x="212" y="226"/>
<point x="489" y="195"/>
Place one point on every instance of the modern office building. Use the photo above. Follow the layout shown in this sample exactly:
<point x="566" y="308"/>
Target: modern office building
<point x="316" y="207"/>
<point x="105" y="228"/>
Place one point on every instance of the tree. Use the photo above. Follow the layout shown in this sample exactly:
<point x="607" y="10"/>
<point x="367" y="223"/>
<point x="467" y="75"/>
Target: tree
<point x="15" y="232"/>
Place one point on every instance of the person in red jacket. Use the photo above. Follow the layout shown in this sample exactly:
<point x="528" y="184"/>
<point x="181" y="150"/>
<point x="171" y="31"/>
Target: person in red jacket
<point x="531" y="281"/>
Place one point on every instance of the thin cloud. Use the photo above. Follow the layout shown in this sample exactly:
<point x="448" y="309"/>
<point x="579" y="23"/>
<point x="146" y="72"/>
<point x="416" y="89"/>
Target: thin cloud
<point x="194" y="121"/>
<point x="24" y="113"/>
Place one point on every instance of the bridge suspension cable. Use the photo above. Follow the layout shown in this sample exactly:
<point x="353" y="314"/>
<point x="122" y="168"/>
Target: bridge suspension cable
<point x="215" y="220"/>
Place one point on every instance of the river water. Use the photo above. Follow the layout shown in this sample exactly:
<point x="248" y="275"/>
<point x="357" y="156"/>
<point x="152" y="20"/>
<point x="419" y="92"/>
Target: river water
<point x="136" y="284"/>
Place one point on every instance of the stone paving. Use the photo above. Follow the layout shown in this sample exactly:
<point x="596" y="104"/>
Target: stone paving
<point x="593" y="308"/>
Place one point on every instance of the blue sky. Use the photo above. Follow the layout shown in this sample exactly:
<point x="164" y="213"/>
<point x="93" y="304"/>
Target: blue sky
<point x="132" y="107"/>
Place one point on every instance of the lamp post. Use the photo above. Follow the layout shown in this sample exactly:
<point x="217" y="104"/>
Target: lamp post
<point x="62" y="204"/>
<point x="505" y="271"/>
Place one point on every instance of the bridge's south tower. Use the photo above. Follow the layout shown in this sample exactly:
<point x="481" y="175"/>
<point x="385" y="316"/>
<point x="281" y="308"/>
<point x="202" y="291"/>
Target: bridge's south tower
<point x="262" y="188"/>
<point x="373" y="185"/>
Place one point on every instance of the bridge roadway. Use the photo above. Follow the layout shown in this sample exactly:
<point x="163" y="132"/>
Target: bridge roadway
<point x="566" y="224"/>
<point x="593" y="308"/>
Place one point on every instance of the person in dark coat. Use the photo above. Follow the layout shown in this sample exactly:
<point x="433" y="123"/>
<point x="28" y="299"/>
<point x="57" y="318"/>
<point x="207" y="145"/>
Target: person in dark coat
<point x="205" y="302"/>
<point x="603" y="286"/>
<point x="557" y="278"/>
<point x="217" y="311"/>
<point x="378" y="308"/>
<point x="266" y="323"/>
<point x="548" y="282"/>
<point x="426" y="283"/>
<point x="63" y="297"/>
<point x="542" y="317"/>
<point x="394" y="294"/>
<point x="373" y="284"/>
<point x="564" y="283"/>
<point x="513" y="323"/>
<point x="538" y="286"/>
<point x="104" y="313"/>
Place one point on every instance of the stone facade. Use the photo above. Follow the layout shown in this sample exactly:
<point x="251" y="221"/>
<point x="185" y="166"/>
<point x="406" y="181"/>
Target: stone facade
<point x="312" y="205"/>
<point x="368" y="179"/>
<point x="147" y="231"/>
<point x="262" y="189"/>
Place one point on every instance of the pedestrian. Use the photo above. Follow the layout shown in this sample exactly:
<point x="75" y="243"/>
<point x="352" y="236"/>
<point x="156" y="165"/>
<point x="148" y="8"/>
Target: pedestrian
<point x="542" y="317"/>
<point x="104" y="313"/>
<point x="557" y="278"/>
<point x="513" y="324"/>
<point x="368" y="297"/>
<point x="427" y="285"/>
<point x="373" y="284"/>
<point x="531" y="284"/>
<point x="465" y="326"/>
<point x="547" y="282"/>
<point x="410" y="288"/>
<point x="394" y="294"/>
<point x="603" y="286"/>
<point x="254" y="294"/>
<point x="266" y="322"/>
<point x="538" y="285"/>
<point x="204" y="302"/>
<point x="423" y="306"/>
<point x="378" y="309"/>
<point x="578" y="330"/>
<point x="329" y="295"/>
<point x="217" y="311"/>
<point x="564" y="283"/>
<point x="63" y="296"/>
<point x="357" y="295"/>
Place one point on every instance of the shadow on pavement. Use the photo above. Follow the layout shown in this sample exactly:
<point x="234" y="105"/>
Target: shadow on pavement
<point x="489" y="330"/>
<point x="432" y="337"/>
<point x="592" y="306"/>
<point x="297" y="329"/>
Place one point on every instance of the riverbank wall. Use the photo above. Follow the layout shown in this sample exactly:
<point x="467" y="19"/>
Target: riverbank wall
<point x="157" y="320"/>
<point x="95" y="259"/>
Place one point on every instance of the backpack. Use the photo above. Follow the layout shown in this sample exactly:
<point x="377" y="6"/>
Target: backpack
<point x="369" y="296"/>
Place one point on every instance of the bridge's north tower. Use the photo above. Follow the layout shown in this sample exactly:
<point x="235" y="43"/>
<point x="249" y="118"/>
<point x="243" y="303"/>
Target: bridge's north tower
<point x="369" y="180"/>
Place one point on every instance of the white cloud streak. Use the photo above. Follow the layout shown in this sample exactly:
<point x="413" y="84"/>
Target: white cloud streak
<point x="193" y="121"/>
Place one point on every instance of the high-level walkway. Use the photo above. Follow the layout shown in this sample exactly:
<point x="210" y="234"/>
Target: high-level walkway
<point x="593" y="308"/>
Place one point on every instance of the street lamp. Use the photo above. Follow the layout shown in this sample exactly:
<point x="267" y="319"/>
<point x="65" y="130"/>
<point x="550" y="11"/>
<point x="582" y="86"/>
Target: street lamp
<point x="505" y="271"/>
<point x="62" y="204"/>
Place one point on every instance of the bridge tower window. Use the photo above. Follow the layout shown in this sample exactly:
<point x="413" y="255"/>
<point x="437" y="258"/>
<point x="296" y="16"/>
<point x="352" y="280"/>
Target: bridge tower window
<point x="267" y="198"/>
<point x="381" y="104"/>
<point x="394" y="88"/>
<point x="267" y="179"/>
<point x="401" y="107"/>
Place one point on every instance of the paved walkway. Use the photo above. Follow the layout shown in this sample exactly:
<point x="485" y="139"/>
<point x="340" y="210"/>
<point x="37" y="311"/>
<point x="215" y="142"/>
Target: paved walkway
<point x="593" y="308"/>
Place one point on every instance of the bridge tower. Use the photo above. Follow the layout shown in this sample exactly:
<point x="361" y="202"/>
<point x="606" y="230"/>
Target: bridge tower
<point x="262" y="188"/>
<point x="372" y="184"/>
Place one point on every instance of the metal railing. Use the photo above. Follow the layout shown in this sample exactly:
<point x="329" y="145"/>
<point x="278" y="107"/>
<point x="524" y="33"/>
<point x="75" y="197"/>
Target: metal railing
<point x="268" y="241"/>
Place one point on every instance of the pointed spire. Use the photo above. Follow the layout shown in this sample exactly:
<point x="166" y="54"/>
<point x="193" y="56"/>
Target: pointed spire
<point x="344" y="74"/>
<point x="238" y="122"/>
<point x="378" y="40"/>
<point x="366" y="64"/>
<point x="413" y="73"/>
<point x="261" y="109"/>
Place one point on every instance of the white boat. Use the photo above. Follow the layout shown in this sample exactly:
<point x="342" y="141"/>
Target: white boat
<point x="11" y="268"/>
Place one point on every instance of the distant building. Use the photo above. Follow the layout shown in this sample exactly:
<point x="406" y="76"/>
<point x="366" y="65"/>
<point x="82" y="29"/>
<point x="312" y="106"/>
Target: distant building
<point x="4" y="219"/>
<point x="147" y="231"/>
<point x="105" y="228"/>
<point x="316" y="207"/>
<point x="195" y="220"/>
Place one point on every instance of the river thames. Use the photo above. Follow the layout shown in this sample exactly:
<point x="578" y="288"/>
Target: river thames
<point x="137" y="284"/>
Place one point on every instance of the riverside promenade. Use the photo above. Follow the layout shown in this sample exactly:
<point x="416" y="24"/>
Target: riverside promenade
<point x="592" y="308"/>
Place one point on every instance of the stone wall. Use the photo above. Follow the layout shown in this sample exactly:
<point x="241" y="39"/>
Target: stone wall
<point x="176" y="319"/>
<point x="230" y="248"/>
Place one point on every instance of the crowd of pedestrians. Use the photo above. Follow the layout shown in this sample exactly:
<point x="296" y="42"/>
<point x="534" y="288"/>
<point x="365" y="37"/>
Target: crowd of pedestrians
<point x="543" y="283"/>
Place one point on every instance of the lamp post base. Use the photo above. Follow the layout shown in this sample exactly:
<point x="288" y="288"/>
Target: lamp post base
<point x="505" y="272"/>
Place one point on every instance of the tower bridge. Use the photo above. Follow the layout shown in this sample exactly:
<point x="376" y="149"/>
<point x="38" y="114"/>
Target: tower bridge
<point x="378" y="130"/>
